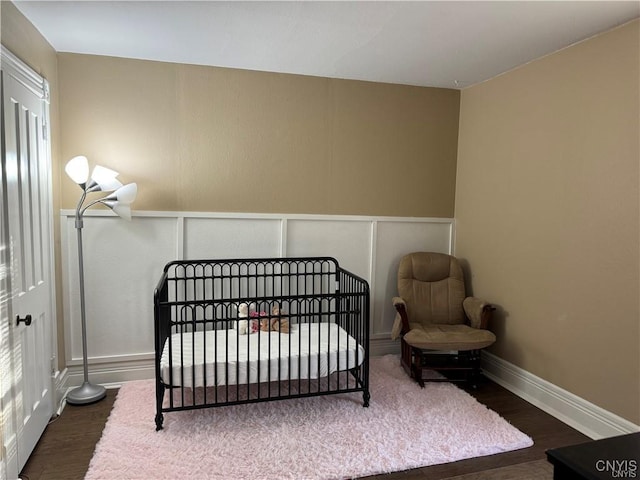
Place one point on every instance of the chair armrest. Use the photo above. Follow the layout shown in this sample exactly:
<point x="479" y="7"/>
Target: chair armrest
<point x="478" y="312"/>
<point x="398" y="301"/>
<point x="401" y="323"/>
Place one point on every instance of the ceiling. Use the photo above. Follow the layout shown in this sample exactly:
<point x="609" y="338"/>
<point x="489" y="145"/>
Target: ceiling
<point x="451" y="44"/>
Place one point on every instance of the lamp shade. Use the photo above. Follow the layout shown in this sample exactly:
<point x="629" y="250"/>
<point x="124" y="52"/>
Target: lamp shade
<point x="120" y="209"/>
<point x="125" y="194"/>
<point x="105" y="179"/>
<point x="78" y="169"/>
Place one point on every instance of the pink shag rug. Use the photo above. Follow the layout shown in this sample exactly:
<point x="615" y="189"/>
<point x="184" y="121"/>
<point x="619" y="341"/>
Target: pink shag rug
<point x="328" y="437"/>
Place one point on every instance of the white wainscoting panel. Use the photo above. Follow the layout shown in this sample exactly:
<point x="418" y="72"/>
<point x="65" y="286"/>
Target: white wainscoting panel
<point x="122" y="264"/>
<point x="393" y="240"/>
<point x="124" y="260"/>
<point x="348" y="241"/>
<point x="209" y="238"/>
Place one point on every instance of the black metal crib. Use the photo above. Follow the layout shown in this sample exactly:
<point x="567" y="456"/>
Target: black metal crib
<point x="252" y="330"/>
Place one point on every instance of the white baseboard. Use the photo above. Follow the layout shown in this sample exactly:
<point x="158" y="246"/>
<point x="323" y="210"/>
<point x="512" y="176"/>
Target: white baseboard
<point x="384" y="346"/>
<point x="60" y="387"/>
<point x="113" y="373"/>
<point x="584" y="416"/>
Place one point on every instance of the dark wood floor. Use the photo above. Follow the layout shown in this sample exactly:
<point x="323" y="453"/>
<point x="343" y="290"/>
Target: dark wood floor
<point x="65" y="449"/>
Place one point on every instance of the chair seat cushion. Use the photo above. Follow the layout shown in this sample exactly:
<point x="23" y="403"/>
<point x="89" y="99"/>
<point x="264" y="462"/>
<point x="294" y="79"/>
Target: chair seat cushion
<point x="448" y="337"/>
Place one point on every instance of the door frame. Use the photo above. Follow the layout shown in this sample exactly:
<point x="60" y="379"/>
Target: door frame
<point x="39" y="86"/>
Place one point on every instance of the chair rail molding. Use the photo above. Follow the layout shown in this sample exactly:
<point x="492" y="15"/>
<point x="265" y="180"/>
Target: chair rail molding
<point x="124" y="261"/>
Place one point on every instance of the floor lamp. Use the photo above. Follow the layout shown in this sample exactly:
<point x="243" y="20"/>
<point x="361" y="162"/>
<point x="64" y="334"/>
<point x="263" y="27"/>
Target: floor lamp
<point x="102" y="180"/>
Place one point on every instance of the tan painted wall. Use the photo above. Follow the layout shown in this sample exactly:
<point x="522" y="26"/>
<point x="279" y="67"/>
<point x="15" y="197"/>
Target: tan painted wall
<point x="214" y="139"/>
<point x="547" y="211"/>
<point x="23" y="40"/>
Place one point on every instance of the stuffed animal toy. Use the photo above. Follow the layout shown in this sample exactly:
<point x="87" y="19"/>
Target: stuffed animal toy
<point x="258" y="316"/>
<point x="277" y="322"/>
<point x="246" y="327"/>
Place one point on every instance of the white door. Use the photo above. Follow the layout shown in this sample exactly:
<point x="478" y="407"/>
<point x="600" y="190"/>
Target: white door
<point x="28" y="313"/>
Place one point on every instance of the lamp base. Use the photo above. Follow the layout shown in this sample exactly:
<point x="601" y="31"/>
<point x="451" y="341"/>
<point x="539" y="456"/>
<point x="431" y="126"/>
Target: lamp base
<point x="86" y="393"/>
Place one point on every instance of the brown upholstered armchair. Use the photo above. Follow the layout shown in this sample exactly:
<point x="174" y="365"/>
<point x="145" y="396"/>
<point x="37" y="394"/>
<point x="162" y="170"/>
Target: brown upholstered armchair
<point x="440" y="328"/>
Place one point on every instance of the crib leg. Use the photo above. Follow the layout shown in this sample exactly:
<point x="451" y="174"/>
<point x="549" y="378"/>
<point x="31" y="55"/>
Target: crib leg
<point x="366" y="396"/>
<point x="159" y="400"/>
<point x="159" y="420"/>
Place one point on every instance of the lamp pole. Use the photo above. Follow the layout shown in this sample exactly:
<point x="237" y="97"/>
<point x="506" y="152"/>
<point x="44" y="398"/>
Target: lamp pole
<point x="102" y="179"/>
<point x="87" y="392"/>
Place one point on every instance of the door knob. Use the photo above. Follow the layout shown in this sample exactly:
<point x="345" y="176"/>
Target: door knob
<point x="26" y="320"/>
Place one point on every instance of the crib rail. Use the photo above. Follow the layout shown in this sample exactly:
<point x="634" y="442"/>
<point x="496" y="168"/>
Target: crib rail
<point x="312" y="338"/>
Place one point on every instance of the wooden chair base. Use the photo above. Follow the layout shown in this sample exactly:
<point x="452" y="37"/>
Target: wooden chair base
<point x="463" y="366"/>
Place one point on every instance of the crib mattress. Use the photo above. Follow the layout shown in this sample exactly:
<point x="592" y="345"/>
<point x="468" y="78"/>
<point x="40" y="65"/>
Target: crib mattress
<point x="222" y="357"/>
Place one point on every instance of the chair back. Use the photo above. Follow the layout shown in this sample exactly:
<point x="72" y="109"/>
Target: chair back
<point x="432" y="285"/>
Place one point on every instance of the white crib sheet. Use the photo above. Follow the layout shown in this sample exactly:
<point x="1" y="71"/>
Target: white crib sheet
<point x="310" y="351"/>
